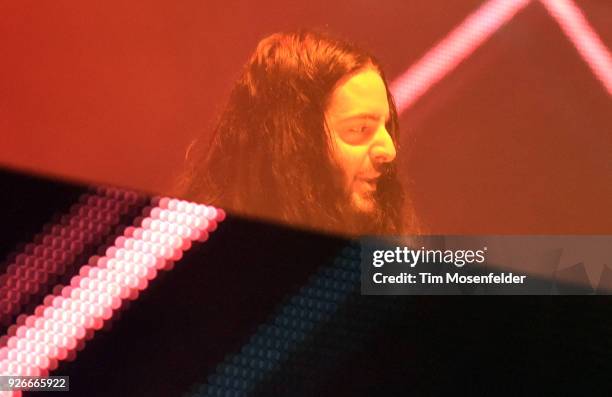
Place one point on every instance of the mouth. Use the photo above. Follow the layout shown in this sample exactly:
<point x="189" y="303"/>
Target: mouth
<point x="369" y="184"/>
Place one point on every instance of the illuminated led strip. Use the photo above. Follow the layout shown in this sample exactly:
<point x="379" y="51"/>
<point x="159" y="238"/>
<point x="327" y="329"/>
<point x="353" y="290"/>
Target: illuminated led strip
<point x="452" y="50"/>
<point x="65" y="320"/>
<point x="55" y="249"/>
<point x="581" y="34"/>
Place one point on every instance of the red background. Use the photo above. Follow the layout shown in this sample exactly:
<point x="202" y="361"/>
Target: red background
<point x="518" y="139"/>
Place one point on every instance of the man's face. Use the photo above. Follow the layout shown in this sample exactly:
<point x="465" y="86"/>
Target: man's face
<point x="356" y="116"/>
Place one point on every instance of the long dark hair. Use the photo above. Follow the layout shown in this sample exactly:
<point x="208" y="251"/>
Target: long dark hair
<point x="270" y="153"/>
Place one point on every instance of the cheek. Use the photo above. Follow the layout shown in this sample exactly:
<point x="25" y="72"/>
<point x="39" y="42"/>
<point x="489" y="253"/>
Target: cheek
<point x="350" y="158"/>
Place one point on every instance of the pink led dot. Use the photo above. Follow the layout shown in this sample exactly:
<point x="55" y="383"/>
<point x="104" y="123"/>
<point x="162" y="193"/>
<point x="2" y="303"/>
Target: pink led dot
<point x="39" y="322"/>
<point x="160" y="263"/>
<point x="129" y="231"/>
<point x="30" y="332"/>
<point x="178" y="254"/>
<point x="14" y="368"/>
<point x="140" y="271"/>
<point x="75" y="282"/>
<point x="162" y="226"/>
<point x="93" y="284"/>
<point x="189" y="220"/>
<point x="151" y="273"/>
<point x="142" y="284"/>
<point x="212" y="226"/>
<point x="156" y="212"/>
<point x="118" y="277"/>
<point x="66" y="291"/>
<point x="104" y="300"/>
<point x="102" y="275"/>
<point x="62" y="354"/>
<point x="107" y="313"/>
<point x="88" y="322"/>
<point x="115" y="265"/>
<point x="71" y="343"/>
<point x="172" y="204"/>
<point x="44" y="364"/>
<point x="180" y="218"/>
<point x="125" y="292"/>
<point x="148" y="223"/>
<point x="203" y="236"/>
<point x="65" y="316"/>
<point x="190" y="207"/>
<point x="21" y="331"/>
<point x="75" y="293"/>
<point x="143" y="246"/>
<point x="29" y="321"/>
<point x="48" y="312"/>
<point x="47" y="326"/>
<point x="98" y="324"/>
<point x="84" y="270"/>
<point x="30" y="361"/>
<point x="149" y="260"/>
<point x="83" y="295"/>
<point x="115" y="303"/>
<point x="160" y="251"/>
<point x="138" y="257"/>
<point x="211" y="212"/>
<point x="77" y="318"/>
<point x="57" y="301"/>
<point x="113" y="289"/>
<point x="79" y="334"/>
<point x="128" y="255"/>
<point x="21" y="356"/>
<point x="162" y="238"/>
<point x="163" y="202"/>
<point x="186" y="243"/>
<point x="202" y="223"/>
<point x="111" y="252"/>
<point x="170" y="253"/>
<point x="135" y="245"/>
<point x="184" y="231"/>
<point x="56" y="327"/>
<point x="131" y="281"/>
<point x="172" y="228"/>
<point x="150" y="237"/>
<point x="68" y="330"/>
<point x="175" y="242"/>
<point x="133" y="294"/>
<point x="66" y="303"/>
<point x="195" y="234"/>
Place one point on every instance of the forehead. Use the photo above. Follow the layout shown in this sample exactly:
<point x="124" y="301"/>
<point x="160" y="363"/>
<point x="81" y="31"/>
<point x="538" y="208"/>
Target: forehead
<point x="361" y="93"/>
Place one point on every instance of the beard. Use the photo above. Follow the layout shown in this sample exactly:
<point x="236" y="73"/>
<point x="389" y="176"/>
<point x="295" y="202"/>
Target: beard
<point x="363" y="215"/>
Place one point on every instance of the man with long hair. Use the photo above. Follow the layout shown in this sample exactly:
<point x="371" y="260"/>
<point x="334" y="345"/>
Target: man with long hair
<point x="309" y="137"/>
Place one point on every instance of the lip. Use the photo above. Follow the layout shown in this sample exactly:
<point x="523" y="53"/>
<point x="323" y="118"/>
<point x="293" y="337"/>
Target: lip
<point x="369" y="178"/>
<point x="369" y="183"/>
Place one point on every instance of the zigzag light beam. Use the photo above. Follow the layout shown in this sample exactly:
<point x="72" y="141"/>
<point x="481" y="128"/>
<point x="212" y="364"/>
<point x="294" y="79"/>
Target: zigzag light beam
<point x="462" y="41"/>
<point x="583" y="36"/>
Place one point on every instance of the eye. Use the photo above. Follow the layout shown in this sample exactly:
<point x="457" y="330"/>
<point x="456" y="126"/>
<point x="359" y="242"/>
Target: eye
<point x="362" y="129"/>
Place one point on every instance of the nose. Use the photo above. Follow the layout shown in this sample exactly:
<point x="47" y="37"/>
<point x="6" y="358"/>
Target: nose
<point x="383" y="148"/>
